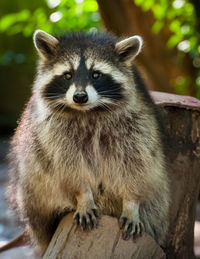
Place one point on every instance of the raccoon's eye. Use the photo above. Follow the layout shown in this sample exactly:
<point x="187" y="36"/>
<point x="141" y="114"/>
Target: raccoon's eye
<point x="68" y="75"/>
<point x="96" y="74"/>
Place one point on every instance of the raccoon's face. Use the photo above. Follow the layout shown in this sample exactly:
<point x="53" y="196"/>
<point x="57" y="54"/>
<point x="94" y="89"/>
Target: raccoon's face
<point x="85" y="72"/>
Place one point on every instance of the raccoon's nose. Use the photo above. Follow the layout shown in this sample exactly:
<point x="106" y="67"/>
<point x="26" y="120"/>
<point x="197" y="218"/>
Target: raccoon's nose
<point x="80" y="97"/>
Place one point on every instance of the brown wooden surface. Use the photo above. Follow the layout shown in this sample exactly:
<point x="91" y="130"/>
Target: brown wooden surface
<point x="175" y="100"/>
<point x="70" y="241"/>
<point x="182" y="124"/>
<point x="183" y="129"/>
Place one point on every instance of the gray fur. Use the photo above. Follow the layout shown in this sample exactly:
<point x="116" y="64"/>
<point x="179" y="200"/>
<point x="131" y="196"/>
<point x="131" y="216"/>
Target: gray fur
<point x="74" y="160"/>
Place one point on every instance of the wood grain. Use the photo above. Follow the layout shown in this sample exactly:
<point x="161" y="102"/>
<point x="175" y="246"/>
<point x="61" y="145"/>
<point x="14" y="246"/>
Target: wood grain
<point x="105" y="241"/>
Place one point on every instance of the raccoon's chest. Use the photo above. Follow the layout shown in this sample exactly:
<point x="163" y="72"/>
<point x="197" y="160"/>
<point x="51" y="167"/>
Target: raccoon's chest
<point x="92" y="145"/>
<point x="99" y="146"/>
<point x="95" y="147"/>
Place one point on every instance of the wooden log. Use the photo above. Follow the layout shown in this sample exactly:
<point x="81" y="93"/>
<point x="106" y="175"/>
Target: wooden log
<point x="69" y="241"/>
<point x="181" y="116"/>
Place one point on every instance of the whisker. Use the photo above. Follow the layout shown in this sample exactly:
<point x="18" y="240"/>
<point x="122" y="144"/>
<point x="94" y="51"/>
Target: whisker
<point x="56" y="106"/>
<point x="112" y="103"/>
<point x="102" y="104"/>
<point x="109" y="90"/>
<point x="111" y="95"/>
<point x="53" y="96"/>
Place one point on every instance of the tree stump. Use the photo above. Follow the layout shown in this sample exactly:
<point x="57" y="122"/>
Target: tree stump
<point x="182" y="122"/>
<point x="181" y="117"/>
<point x="69" y="241"/>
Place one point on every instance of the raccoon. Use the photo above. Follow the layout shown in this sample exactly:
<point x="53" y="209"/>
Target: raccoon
<point x="89" y="140"/>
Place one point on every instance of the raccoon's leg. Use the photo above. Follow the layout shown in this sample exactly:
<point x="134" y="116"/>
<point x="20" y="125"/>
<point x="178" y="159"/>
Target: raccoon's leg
<point x="41" y="227"/>
<point x="130" y="219"/>
<point x="42" y="210"/>
<point x="86" y="213"/>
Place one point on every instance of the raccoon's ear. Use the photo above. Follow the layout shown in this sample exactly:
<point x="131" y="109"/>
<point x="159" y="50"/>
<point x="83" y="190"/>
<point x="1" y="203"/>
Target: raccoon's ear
<point x="45" y="44"/>
<point x="129" y="48"/>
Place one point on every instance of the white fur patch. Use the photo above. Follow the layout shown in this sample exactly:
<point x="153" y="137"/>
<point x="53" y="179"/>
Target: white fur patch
<point x="106" y="68"/>
<point x="92" y="98"/>
<point x="60" y="68"/>
<point x="89" y="62"/>
<point x="106" y="100"/>
<point x="41" y="80"/>
<point x="75" y="61"/>
<point x="70" y="94"/>
<point x="42" y="110"/>
<point x="92" y="94"/>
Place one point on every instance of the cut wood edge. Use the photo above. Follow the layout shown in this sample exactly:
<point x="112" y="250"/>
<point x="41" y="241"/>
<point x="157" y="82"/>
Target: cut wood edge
<point x="181" y="101"/>
<point x="69" y="241"/>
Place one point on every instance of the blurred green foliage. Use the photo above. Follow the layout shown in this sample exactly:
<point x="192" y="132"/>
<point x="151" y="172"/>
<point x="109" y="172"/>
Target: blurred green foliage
<point x="58" y="16"/>
<point x="53" y="16"/>
<point x="182" y="19"/>
<point x="19" y="19"/>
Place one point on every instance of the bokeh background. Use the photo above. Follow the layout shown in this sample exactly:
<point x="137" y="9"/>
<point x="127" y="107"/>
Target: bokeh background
<point x="170" y="61"/>
<point x="171" y="30"/>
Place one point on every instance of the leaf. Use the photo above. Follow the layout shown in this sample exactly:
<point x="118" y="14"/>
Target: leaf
<point x="157" y="26"/>
<point x="174" y="40"/>
<point x="175" y="26"/>
<point x="10" y="19"/>
<point x="147" y="4"/>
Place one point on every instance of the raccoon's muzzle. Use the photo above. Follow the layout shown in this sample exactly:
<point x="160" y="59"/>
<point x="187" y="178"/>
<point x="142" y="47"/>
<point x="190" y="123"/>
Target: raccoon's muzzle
<point x="80" y="97"/>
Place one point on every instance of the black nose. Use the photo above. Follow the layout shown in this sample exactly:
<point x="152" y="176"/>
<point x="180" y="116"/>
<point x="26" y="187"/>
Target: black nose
<point x="80" y="97"/>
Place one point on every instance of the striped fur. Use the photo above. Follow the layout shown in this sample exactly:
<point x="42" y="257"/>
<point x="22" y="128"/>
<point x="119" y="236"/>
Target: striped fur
<point x="104" y="156"/>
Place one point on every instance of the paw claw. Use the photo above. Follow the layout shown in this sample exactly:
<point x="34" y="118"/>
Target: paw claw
<point x="141" y="228"/>
<point x="130" y="227"/>
<point x="77" y="218"/>
<point x="122" y="222"/>
<point x="95" y="212"/>
<point x="127" y="231"/>
<point x="83" y="222"/>
<point x="87" y="219"/>
<point x="90" y="221"/>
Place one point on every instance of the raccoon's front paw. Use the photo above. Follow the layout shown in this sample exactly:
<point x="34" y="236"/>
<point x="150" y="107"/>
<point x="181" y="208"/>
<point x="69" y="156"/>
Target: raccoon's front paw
<point x="87" y="218"/>
<point x="131" y="227"/>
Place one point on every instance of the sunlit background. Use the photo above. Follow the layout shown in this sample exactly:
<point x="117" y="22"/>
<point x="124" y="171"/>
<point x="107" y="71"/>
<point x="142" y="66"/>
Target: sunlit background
<point x="18" y="19"/>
